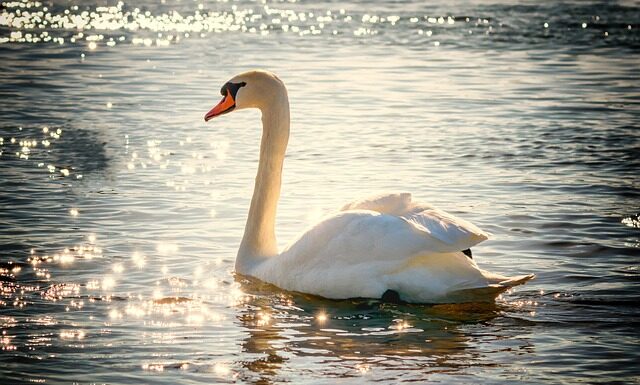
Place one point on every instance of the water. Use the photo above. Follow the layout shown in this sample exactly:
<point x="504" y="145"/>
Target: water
<point x="121" y="211"/>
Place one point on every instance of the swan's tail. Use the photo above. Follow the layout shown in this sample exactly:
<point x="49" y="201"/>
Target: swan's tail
<point x="490" y="292"/>
<point x="517" y="280"/>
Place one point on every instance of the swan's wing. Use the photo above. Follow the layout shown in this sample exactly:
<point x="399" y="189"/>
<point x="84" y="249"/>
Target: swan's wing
<point x="358" y="235"/>
<point x="451" y="230"/>
<point x="346" y="254"/>
<point x="457" y="234"/>
<point x="362" y="253"/>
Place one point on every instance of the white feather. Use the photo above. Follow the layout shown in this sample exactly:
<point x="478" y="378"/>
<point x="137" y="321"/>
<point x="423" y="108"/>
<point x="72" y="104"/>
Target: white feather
<point x="410" y="248"/>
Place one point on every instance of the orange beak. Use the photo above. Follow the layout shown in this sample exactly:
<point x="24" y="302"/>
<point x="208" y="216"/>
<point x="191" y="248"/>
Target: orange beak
<point x="227" y="104"/>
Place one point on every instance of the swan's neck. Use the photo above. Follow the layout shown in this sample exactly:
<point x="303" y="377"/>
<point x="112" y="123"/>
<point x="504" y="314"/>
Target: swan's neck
<point x="259" y="240"/>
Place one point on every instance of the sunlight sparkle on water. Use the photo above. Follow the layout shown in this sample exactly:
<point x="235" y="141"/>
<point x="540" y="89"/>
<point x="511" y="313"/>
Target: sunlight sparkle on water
<point x="165" y="248"/>
<point x="263" y="319"/>
<point x="632" y="221"/>
<point x="118" y="268"/>
<point x="108" y="283"/>
<point x="138" y="259"/>
<point x="115" y="314"/>
<point x="400" y="325"/>
<point x="195" y="319"/>
<point x="167" y="198"/>
<point x="122" y="23"/>
<point x="221" y="369"/>
<point x="153" y="367"/>
<point x="321" y="317"/>
<point x="210" y="284"/>
<point x="198" y="271"/>
<point x="134" y="311"/>
<point x="72" y="334"/>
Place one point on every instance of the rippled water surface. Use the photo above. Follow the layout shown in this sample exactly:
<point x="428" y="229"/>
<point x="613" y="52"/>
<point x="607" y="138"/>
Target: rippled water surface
<point x="121" y="211"/>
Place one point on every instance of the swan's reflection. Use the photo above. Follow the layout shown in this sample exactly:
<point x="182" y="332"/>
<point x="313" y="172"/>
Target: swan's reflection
<point x="358" y="337"/>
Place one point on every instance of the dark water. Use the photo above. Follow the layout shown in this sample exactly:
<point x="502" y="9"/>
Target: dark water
<point x="121" y="211"/>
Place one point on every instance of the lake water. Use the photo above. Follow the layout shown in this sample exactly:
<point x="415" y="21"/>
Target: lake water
<point x="121" y="211"/>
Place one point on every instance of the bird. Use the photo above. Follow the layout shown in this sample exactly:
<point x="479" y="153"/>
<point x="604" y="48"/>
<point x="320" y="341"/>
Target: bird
<point x="386" y="246"/>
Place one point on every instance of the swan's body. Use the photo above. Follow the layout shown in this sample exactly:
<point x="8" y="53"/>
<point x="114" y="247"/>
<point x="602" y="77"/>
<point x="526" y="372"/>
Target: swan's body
<point x="372" y="246"/>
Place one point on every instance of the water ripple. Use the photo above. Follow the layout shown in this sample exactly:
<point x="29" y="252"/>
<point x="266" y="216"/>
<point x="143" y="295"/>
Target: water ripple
<point x="120" y="212"/>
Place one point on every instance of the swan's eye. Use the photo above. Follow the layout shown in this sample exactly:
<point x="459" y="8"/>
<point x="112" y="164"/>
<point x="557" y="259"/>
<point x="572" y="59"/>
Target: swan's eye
<point x="232" y="88"/>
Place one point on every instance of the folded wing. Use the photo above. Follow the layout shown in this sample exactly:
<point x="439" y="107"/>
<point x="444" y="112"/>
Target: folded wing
<point x="453" y="233"/>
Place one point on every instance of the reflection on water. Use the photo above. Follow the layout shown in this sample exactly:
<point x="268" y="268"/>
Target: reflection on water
<point x="121" y="212"/>
<point x="398" y="337"/>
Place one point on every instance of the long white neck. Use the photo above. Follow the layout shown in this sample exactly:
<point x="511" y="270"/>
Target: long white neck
<point x="259" y="240"/>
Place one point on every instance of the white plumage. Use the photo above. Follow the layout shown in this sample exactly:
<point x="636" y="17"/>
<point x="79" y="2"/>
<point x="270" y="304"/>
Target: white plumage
<point x="376" y="244"/>
<point x="386" y="242"/>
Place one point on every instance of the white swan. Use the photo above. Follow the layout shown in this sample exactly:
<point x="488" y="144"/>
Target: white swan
<point x="387" y="246"/>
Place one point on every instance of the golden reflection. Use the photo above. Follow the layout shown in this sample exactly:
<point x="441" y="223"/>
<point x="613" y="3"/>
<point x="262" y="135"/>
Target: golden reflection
<point x="263" y="319"/>
<point x="163" y="29"/>
<point x="262" y="338"/>
<point x="321" y="317"/>
<point x="360" y="336"/>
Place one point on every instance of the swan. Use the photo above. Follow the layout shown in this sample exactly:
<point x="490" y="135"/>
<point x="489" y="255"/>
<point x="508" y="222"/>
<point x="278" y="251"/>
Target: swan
<point x="386" y="246"/>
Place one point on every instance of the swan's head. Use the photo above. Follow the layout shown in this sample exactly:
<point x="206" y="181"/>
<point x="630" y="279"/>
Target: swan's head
<point x="252" y="89"/>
